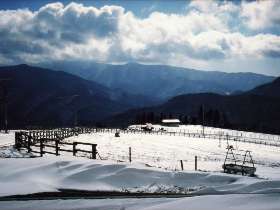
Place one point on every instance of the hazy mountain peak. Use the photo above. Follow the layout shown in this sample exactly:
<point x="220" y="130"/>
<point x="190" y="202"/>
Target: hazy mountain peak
<point x="163" y="81"/>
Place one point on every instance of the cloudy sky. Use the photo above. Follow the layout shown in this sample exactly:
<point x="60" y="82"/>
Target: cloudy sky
<point x="231" y="36"/>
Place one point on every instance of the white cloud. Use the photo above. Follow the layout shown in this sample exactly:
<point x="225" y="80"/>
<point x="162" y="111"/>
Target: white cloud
<point x="212" y="6"/>
<point x="111" y="34"/>
<point x="261" y="14"/>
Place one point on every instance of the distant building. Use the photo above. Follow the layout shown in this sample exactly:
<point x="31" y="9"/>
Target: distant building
<point x="171" y="122"/>
<point x="147" y="127"/>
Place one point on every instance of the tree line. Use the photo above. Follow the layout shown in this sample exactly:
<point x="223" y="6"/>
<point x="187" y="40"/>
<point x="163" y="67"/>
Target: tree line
<point x="207" y="117"/>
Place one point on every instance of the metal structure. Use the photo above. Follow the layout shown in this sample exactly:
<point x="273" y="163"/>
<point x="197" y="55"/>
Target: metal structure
<point x="235" y="162"/>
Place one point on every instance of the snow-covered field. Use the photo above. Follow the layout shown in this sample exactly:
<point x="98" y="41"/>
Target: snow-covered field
<point x="166" y="151"/>
<point x="155" y="167"/>
<point x="48" y="174"/>
<point x="217" y="133"/>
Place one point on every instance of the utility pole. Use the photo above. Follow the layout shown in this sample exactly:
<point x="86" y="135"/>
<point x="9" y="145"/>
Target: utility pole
<point x="6" y="114"/>
<point x="75" y="112"/>
<point x="76" y="118"/>
<point x="5" y="103"/>
<point x="203" y="120"/>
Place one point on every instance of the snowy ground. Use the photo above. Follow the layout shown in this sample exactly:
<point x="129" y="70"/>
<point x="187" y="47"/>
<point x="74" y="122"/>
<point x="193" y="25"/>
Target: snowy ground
<point x="166" y="151"/>
<point x="6" y="146"/>
<point x="163" y="152"/>
<point x="7" y="138"/>
<point x="48" y="174"/>
<point x="217" y="131"/>
<point x="211" y="202"/>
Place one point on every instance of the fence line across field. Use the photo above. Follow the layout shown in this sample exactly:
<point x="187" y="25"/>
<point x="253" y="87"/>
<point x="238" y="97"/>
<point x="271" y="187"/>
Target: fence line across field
<point x="36" y="141"/>
<point x="224" y="136"/>
<point x="234" y="136"/>
<point x="32" y="137"/>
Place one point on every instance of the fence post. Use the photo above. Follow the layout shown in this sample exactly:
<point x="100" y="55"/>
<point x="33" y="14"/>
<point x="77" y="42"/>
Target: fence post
<point x="56" y="148"/>
<point x="182" y="166"/>
<point x="129" y="154"/>
<point x="227" y="139"/>
<point x="74" y="148"/>
<point x="41" y="148"/>
<point x="93" y="151"/>
<point x="17" y="141"/>
<point x="195" y="163"/>
<point x="28" y="144"/>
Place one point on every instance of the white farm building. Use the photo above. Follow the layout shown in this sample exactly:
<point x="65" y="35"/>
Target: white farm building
<point x="171" y="122"/>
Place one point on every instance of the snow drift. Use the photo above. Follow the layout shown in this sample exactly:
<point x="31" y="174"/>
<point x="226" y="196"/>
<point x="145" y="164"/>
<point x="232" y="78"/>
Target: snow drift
<point x="25" y="176"/>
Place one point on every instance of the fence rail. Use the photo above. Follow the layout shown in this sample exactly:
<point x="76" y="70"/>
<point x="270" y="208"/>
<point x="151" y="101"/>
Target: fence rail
<point x="53" y="139"/>
<point x="56" y="148"/>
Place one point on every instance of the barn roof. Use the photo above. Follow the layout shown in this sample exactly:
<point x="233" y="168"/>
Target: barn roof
<point x="170" y="121"/>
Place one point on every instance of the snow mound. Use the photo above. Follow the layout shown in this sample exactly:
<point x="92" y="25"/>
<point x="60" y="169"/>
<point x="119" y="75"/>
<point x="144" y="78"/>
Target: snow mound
<point x="23" y="176"/>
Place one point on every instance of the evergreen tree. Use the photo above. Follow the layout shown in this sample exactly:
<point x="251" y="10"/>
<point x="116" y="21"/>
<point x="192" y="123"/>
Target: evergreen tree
<point x="143" y="118"/>
<point x="181" y="118"/>
<point x="216" y="118"/>
<point x="194" y="121"/>
<point x="151" y="117"/>
<point x="162" y="116"/>
<point x="188" y="120"/>
<point x="170" y="116"/>
<point x="137" y="119"/>
<point x="224" y="121"/>
<point x="209" y="117"/>
<point x="200" y="115"/>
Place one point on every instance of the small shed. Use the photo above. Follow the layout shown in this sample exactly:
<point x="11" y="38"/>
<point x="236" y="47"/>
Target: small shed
<point x="171" y="122"/>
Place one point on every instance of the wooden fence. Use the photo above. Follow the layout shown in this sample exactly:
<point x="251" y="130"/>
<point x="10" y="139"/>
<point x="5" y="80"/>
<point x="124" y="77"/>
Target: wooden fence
<point x="57" y="148"/>
<point x="53" y="139"/>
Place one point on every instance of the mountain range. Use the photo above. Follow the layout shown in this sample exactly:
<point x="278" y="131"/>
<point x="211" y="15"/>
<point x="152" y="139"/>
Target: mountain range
<point x="116" y="94"/>
<point x="38" y="96"/>
<point x="256" y="110"/>
<point x="162" y="82"/>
